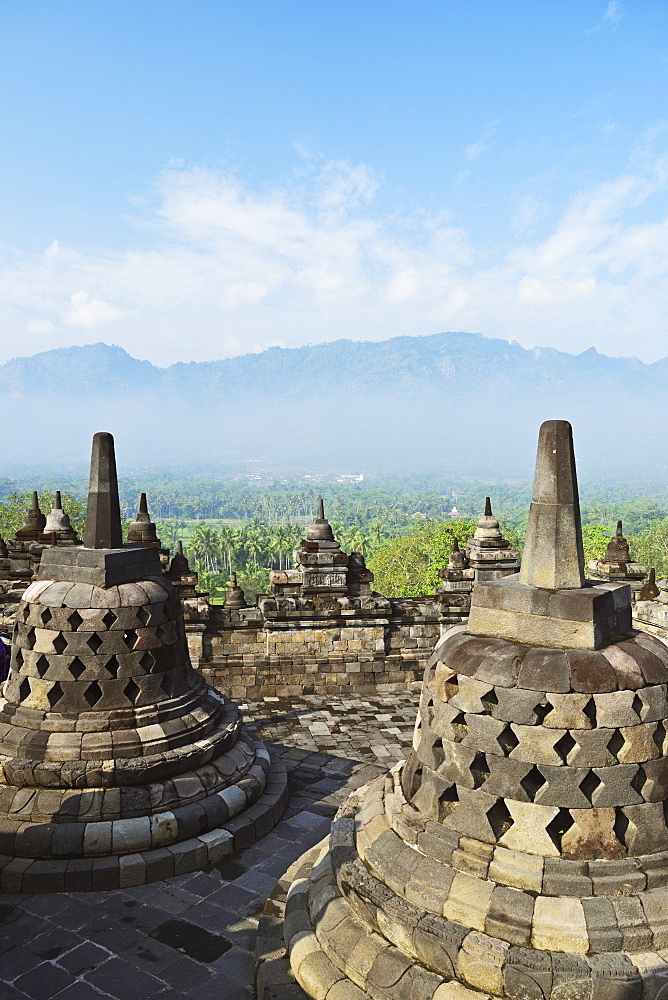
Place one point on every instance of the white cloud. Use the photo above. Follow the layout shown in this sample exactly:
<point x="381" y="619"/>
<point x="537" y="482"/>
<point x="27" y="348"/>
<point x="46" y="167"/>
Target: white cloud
<point x="613" y="12"/>
<point x="88" y="312"/>
<point x="612" y="15"/>
<point x="230" y="269"/>
<point x="481" y="145"/>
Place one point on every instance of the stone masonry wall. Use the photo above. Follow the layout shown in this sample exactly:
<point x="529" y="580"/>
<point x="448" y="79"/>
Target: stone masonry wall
<point x="247" y="659"/>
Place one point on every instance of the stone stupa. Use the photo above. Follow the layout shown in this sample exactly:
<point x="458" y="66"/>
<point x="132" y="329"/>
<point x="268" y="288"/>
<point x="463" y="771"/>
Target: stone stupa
<point x="119" y="764"/>
<point x="521" y="850"/>
<point x="489" y="553"/>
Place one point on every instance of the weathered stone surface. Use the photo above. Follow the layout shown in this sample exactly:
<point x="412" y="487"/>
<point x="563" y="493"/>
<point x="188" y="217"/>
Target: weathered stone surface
<point x="539" y="754"/>
<point x="559" y="924"/>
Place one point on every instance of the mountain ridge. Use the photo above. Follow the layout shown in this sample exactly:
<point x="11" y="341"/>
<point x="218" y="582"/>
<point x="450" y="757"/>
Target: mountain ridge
<point x="460" y="360"/>
<point x="455" y="400"/>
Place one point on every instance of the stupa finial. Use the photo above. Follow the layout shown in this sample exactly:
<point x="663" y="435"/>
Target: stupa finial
<point x="488" y="507"/>
<point x="103" y="514"/>
<point x="321" y="510"/>
<point x="553" y="557"/>
<point x="58" y="503"/>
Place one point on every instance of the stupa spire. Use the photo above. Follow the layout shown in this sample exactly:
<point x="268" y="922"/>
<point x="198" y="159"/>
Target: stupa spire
<point x="553" y="557"/>
<point x="321" y="510"/>
<point x="103" y="514"/>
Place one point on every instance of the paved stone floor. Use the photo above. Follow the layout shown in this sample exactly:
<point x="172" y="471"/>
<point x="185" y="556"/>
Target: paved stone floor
<point x="193" y="936"/>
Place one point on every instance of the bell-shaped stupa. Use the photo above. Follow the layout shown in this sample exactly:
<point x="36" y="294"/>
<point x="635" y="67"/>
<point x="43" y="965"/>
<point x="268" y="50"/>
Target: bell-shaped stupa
<point x="521" y="850"/>
<point x="489" y="553"/>
<point x="319" y="559"/>
<point x="58" y="528"/>
<point x="34" y="522"/>
<point x="119" y="764"/>
<point x="142" y="531"/>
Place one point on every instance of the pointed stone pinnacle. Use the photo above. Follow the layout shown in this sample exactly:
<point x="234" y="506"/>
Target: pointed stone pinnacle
<point x="233" y="579"/>
<point x="34" y="503"/>
<point x="553" y="558"/>
<point x="488" y="507"/>
<point x="103" y="515"/>
<point x="321" y="510"/>
<point x="455" y="545"/>
<point x="179" y="548"/>
<point x="58" y="503"/>
<point x="620" y="533"/>
<point x="143" y="506"/>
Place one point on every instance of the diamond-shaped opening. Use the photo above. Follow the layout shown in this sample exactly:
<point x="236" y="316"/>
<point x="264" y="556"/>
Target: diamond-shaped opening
<point x="542" y="710"/>
<point x="451" y="687"/>
<point x="659" y="736"/>
<point x="93" y="693"/>
<point x="167" y="684"/>
<point x="507" y="740"/>
<point x="131" y="691"/>
<point x="638" y="781"/>
<point x="560" y="825"/>
<point x="589" y="784"/>
<point x="54" y="695"/>
<point x="616" y="742"/>
<point x="94" y="642"/>
<point x="74" y="621"/>
<point x="112" y="665"/>
<point x="447" y="802"/>
<point x="533" y="782"/>
<point x="147" y="662"/>
<point x="143" y="615"/>
<point x="76" y="668"/>
<point x="18" y="659"/>
<point x="24" y="690"/>
<point x="479" y="770"/>
<point x="129" y="638"/>
<point x="29" y="640"/>
<point x="499" y="818"/>
<point x="42" y="665"/>
<point x="437" y="754"/>
<point x="26" y="613"/>
<point x="622" y="825"/>
<point x="60" y="643"/>
<point x="637" y="705"/>
<point x="489" y="700"/>
<point x="411" y="775"/>
<point x="459" y="727"/>
<point x="109" y="619"/>
<point x="46" y="616"/>
<point x="590" y="711"/>
<point x="564" y="746"/>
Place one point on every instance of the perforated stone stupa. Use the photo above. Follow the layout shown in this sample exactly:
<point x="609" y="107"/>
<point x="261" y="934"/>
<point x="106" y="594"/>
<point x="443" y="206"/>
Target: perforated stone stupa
<point x="119" y="764"/>
<point x="521" y="850"/>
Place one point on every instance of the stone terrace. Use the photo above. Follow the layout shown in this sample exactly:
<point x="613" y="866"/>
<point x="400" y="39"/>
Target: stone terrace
<point x="193" y="936"/>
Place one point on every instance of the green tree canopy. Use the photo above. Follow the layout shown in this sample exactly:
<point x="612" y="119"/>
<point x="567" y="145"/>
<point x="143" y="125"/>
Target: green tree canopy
<point x="408" y="566"/>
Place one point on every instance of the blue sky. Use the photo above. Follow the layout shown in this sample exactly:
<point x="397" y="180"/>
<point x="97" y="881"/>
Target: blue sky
<point x="195" y="180"/>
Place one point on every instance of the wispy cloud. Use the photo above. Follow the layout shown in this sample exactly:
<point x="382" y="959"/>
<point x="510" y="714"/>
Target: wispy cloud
<point x="482" y="144"/>
<point x="232" y="269"/>
<point x="612" y="15"/>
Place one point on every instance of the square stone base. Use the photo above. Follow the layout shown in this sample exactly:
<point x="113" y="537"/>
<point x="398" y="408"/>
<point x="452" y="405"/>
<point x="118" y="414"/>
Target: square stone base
<point x="587" y="618"/>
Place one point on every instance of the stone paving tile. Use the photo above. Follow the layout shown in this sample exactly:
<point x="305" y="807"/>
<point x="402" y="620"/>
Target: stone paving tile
<point x="142" y="943"/>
